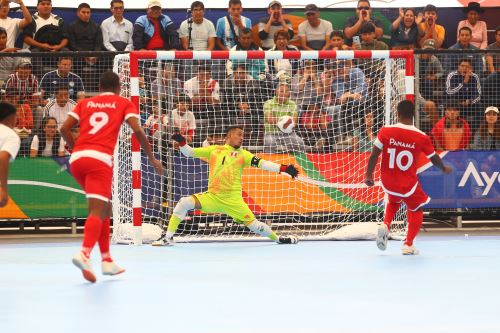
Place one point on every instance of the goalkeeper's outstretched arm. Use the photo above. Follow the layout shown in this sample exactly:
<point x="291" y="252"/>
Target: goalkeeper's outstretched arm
<point x="274" y="167"/>
<point x="184" y="148"/>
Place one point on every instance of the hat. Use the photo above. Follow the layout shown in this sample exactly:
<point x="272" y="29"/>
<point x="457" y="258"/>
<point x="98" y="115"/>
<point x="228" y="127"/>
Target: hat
<point x="154" y="3"/>
<point x="311" y="8"/>
<point x="475" y="6"/>
<point x="23" y="62"/>
<point x="491" y="108"/>
<point x="272" y="3"/>
<point x="429" y="44"/>
<point x="430" y="8"/>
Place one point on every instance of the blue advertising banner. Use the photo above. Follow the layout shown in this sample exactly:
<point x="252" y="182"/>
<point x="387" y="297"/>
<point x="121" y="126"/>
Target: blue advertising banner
<point x="474" y="182"/>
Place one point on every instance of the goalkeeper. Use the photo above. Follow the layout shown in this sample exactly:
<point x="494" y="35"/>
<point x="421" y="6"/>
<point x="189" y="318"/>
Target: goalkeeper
<point x="226" y="165"/>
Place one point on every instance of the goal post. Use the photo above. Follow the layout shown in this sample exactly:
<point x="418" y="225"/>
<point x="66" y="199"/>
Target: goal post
<point x="339" y="100"/>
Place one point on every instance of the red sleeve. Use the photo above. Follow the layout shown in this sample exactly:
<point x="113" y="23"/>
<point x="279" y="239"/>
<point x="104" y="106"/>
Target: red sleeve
<point x="466" y="137"/>
<point x="77" y="111"/>
<point x="437" y="132"/>
<point x="130" y="110"/>
<point x="427" y="147"/>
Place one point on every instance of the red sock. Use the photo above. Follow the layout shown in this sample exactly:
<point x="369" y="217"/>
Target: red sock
<point x="104" y="241"/>
<point x="391" y="208"/>
<point x="415" y="220"/>
<point x="91" y="233"/>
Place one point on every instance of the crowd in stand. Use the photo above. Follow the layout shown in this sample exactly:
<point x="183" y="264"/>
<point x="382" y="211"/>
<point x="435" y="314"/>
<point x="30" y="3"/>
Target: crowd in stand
<point x="327" y="100"/>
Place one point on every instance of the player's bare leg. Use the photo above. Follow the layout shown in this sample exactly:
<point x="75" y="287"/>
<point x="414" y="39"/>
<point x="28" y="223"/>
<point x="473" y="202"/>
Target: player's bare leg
<point x="415" y="220"/>
<point x="184" y="205"/>
<point x="391" y="208"/>
<point x="108" y="265"/>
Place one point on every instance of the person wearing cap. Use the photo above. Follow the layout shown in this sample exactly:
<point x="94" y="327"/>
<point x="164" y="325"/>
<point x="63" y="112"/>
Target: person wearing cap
<point x="465" y="45"/>
<point x="431" y="83"/>
<point x="363" y="14"/>
<point x="23" y="80"/>
<point x="155" y="31"/>
<point x="228" y="27"/>
<point x="314" y="33"/>
<point x="197" y="33"/>
<point x="13" y="26"/>
<point x="488" y="135"/>
<point x="479" y="29"/>
<point x="404" y="30"/>
<point x="429" y="29"/>
<point x="451" y="132"/>
<point x="9" y="146"/>
<point x="269" y="25"/>
<point x="47" y="32"/>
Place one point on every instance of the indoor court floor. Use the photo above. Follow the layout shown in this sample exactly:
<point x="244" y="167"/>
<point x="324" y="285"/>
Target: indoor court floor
<point x="247" y="287"/>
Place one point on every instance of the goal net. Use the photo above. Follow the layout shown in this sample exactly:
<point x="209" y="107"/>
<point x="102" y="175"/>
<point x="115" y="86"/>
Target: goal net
<point x="317" y="110"/>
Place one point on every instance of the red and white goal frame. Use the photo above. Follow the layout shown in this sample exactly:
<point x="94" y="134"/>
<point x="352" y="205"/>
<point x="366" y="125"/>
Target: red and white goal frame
<point x="134" y="57"/>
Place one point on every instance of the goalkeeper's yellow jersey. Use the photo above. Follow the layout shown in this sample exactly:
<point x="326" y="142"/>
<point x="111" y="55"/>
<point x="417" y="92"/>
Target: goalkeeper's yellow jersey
<point x="226" y="165"/>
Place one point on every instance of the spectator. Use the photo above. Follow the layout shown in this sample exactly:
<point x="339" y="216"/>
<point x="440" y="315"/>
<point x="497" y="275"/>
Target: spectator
<point x="197" y="33"/>
<point x="37" y="105"/>
<point x="429" y="29"/>
<point x="306" y="84"/>
<point x="155" y="125"/>
<point x="155" y="31"/>
<point x="46" y="31"/>
<point x="256" y="68"/>
<point x="84" y="35"/>
<point x="241" y="98"/>
<point x="464" y="44"/>
<point x="464" y="88"/>
<point x="363" y="14"/>
<point x="24" y="123"/>
<point x="228" y="27"/>
<point x="23" y="80"/>
<point x="117" y="30"/>
<point x="61" y="106"/>
<point x="314" y="124"/>
<point x="430" y="85"/>
<point x="13" y="26"/>
<point x="274" y="109"/>
<point x="364" y="136"/>
<point x="314" y="33"/>
<point x="404" y="30"/>
<point x="488" y="135"/>
<point x="282" y="69"/>
<point x="337" y="41"/>
<point x="204" y="92"/>
<point x="492" y="81"/>
<point x="182" y="120"/>
<point x="368" y="38"/>
<point x="268" y="26"/>
<point x="7" y="64"/>
<point x="478" y="28"/>
<point x="61" y="76"/>
<point x="47" y="142"/>
<point x="451" y="132"/>
<point x="168" y="85"/>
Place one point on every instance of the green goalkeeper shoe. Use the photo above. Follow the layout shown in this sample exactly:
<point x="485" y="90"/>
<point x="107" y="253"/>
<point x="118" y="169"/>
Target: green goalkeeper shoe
<point x="288" y="240"/>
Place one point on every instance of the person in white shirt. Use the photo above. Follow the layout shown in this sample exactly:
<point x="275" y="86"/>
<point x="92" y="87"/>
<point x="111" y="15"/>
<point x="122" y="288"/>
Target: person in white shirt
<point x="182" y="120"/>
<point x="314" y="33"/>
<point x="197" y="33"/>
<point x="48" y="142"/>
<point x="9" y="146"/>
<point x="116" y="30"/>
<point x="13" y="26"/>
<point x="60" y="107"/>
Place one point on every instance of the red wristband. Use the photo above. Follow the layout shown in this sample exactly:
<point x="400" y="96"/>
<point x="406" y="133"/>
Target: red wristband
<point x="182" y="144"/>
<point x="283" y="168"/>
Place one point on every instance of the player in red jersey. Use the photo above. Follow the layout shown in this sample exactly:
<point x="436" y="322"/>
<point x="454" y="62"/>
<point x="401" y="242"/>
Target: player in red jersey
<point x="100" y="119"/>
<point x="400" y="146"/>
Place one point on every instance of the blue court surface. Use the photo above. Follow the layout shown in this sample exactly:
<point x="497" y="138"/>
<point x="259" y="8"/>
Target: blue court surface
<point x="452" y="286"/>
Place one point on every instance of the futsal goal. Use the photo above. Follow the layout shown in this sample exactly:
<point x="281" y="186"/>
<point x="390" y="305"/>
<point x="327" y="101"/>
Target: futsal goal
<point x="338" y="100"/>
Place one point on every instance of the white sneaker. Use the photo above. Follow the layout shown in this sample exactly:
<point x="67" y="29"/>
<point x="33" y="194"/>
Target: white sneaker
<point x="163" y="241"/>
<point x="409" y="250"/>
<point x="382" y="236"/>
<point x="85" y="264"/>
<point x="111" y="268"/>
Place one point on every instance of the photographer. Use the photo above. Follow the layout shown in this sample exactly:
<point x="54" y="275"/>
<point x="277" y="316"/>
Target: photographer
<point x="363" y="15"/>
<point x="268" y="26"/>
<point x="197" y="33"/>
<point x="428" y="29"/>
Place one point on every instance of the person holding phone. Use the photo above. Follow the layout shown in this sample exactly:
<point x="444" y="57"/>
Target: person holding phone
<point x="353" y="23"/>
<point x="428" y="29"/>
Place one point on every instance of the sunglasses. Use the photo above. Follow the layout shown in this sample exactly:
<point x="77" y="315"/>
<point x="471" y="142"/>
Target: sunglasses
<point x="364" y="8"/>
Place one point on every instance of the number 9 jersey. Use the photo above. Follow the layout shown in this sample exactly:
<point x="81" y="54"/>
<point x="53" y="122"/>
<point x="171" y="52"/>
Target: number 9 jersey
<point x="401" y="146"/>
<point x="100" y="119"/>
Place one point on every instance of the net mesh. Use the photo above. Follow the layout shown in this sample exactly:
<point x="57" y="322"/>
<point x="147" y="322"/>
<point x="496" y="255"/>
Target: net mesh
<point x="321" y="115"/>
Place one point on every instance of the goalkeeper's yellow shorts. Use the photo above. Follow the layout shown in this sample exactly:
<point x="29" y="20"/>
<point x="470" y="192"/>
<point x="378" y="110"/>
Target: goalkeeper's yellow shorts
<point x="235" y="207"/>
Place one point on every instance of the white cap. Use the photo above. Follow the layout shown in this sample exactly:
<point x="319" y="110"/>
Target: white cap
<point x="154" y="3"/>
<point x="491" y="108"/>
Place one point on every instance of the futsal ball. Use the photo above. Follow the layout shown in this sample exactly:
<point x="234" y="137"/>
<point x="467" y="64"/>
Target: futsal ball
<point x="286" y="124"/>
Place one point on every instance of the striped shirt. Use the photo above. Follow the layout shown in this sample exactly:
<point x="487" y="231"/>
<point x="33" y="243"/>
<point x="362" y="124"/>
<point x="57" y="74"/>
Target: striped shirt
<point x="26" y="87"/>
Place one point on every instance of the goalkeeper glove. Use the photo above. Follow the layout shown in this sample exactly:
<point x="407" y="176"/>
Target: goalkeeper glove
<point x="289" y="169"/>
<point x="179" y="138"/>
